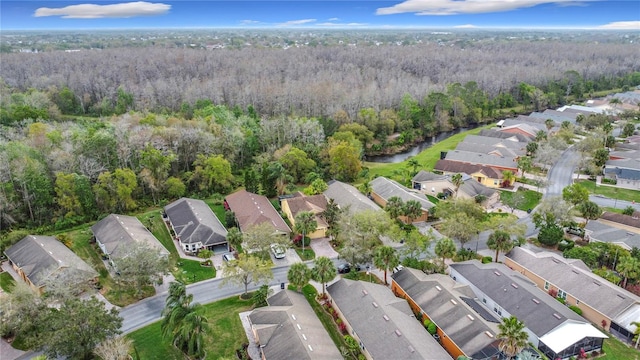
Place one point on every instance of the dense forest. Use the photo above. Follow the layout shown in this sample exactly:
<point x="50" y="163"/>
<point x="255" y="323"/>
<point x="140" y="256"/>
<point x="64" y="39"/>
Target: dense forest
<point x="88" y="133"/>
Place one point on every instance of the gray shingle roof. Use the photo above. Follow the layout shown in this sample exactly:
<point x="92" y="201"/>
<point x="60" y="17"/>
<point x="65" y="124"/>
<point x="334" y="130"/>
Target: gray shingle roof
<point x="347" y="196"/>
<point x="598" y="231"/>
<point x="289" y="329"/>
<point x="460" y="167"/>
<point x="386" y="188"/>
<point x="631" y="164"/>
<point x="497" y="282"/>
<point x="626" y="174"/>
<point x="117" y="232"/>
<point x="505" y="136"/>
<point x="494" y="141"/>
<point x="252" y="209"/>
<point x="194" y="222"/>
<point x="488" y="149"/>
<point x="435" y="295"/>
<point x="42" y="258"/>
<point x="428" y="176"/>
<point x="384" y="323"/>
<point x="579" y="282"/>
<point x="481" y="159"/>
<point x="473" y="188"/>
<point x="559" y="117"/>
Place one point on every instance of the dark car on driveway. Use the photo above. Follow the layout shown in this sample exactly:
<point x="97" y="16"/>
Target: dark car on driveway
<point x="346" y="268"/>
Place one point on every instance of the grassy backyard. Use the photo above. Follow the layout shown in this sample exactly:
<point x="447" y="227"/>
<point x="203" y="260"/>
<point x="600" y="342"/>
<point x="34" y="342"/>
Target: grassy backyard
<point x="427" y="158"/>
<point x="6" y="282"/>
<point x="611" y="191"/>
<point x="531" y="198"/>
<point x="616" y="350"/>
<point x="225" y="336"/>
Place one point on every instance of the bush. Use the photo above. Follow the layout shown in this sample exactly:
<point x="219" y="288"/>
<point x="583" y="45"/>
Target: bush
<point x="550" y="235"/>
<point x="487" y="259"/>
<point x="561" y="300"/>
<point x="566" y="245"/>
<point x="430" y="326"/>
<point x="576" y="309"/>
<point x="297" y="240"/>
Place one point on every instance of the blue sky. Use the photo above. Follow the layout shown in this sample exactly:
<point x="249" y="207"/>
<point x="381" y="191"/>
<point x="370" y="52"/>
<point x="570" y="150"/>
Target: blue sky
<point x="99" y="14"/>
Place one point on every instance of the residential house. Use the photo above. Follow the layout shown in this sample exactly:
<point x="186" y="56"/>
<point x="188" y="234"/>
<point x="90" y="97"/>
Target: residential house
<point x="348" y="198"/>
<point x="519" y="148"/>
<point x="521" y="129"/>
<point x="557" y="116"/>
<point x="252" y="209"/>
<point x="115" y="234"/>
<point x="433" y="184"/>
<point x="557" y="331"/>
<point x="383" y="325"/>
<point x="621" y="221"/>
<point x="626" y="172"/>
<point x="580" y="109"/>
<point x="603" y="303"/>
<point x="314" y="204"/>
<point x="515" y="137"/>
<point x="485" y="175"/>
<point x="531" y="124"/>
<point x="602" y="231"/>
<point x="289" y="329"/>
<point x="40" y="259"/>
<point x="382" y="189"/>
<point x="464" y="327"/>
<point x="195" y="225"/>
<point x="499" y="163"/>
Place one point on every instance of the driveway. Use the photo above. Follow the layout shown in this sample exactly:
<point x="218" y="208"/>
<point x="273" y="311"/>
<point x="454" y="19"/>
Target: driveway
<point x="322" y="247"/>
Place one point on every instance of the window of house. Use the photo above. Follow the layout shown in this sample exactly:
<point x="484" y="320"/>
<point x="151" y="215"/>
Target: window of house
<point x="495" y="182"/>
<point x="562" y="295"/>
<point x="546" y="285"/>
<point x="484" y="300"/>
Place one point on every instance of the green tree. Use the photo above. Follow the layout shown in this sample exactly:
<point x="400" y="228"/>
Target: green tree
<point x="114" y="191"/>
<point x="361" y="232"/>
<point x="175" y="188"/>
<point x="525" y="164"/>
<point x="549" y="123"/>
<point x="182" y="321"/>
<point x="629" y="210"/>
<point x="305" y="223"/>
<point x="514" y="201"/>
<point x="412" y="210"/>
<point x="212" y="174"/>
<point x="114" y="348"/>
<point x="513" y="337"/>
<point x="385" y="258"/>
<point x="323" y="271"/>
<point x="550" y="234"/>
<point x="456" y="180"/>
<point x="629" y="268"/>
<point x="508" y="177"/>
<point x="460" y="227"/>
<point x="246" y="270"/>
<point x="141" y="266"/>
<point x="234" y="237"/>
<point x="416" y="243"/>
<point x="414" y="164"/>
<point x="74" y="196"/>
<point x="500" y="240"/>
<point x="260" y="237"/>
<point x="628" y="129"/>
<point x="575" y="194"/>
<point x="445" y="249"/>
<point x="600" y="157"/>
<point x="589" y="210"/>
<point x="297" y="163"/>
<point x="155" y="169"/>
<point x="299" y="275"/>
<point x="344" y="159"/>
<point x="318" y="186"/>
<point x="394" y="207"/>
<point x="531" y="148"/>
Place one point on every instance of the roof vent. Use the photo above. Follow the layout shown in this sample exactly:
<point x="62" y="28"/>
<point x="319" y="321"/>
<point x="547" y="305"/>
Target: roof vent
<point x="620" y="296"/>
<point x="488" y="334"/>
<point x="304" y="336"/>
<point x="575" y="271"/>
<point x="555" y="260"/>
<point x="398" y="332"/>
<point x="310" y="348"/>
<point x="470" y="317"/>
<point x="298" y="325"/>
<point x="293" y="316"/>
<point x="514" y="285"/>
<point x="411" y="349"/>
<point x="597" y="282"/>
<point x="557" y="316"/>
<point x="497" y="273"/>
<point x="385" y="317"/>
<point x="454" y="302"/>
<point x="535" y="300"/>
<point x="375" y="305"/>
<point x="364" y="292"/>
<point x="438" y="288"/>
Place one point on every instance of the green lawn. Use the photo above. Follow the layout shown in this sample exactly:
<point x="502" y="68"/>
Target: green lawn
<point x="427" y="158"/>
<point x="225" y="336"/>
<point x="616" y="350"/>
<point x="611" y="192"/>
<point x="6" y="282"/>
<point x="532" y="198"/>
<point x="190" y="271"/>
<point x="307" y="255"/>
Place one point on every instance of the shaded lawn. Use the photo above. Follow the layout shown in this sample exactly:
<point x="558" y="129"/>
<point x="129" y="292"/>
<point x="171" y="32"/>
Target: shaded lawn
<point x="611" y="192"/>
<point x="190" y="271"/>
<point x="225" y="336"/>
<point x="6" y="282"/>
<point x="532" y="198"/>
<point x="307" y="255"/>
<point x="427" y="158"/>
<point x="616" y="350"/>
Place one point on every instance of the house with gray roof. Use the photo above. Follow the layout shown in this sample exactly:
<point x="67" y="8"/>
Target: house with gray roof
<point x="40" y="259"/>
<point x="347" y="197"/>
<point x="601" y="302"/>
<point x="602" y="231"/>
<point x="495" y="142"/>
<point x="499" y="162"/>
<point x="195" y="225"/>
<point x="434" y="184"/>
<point x="558" y="117"/>
<point x="115" y="234"/>
<point x="486" y="175"/>
<point x="466" y="327"/>
<point x="557" y="331"/>
<point x="580" y="109"/>
<point x="522" y="129"/>
<point x="252" y="209"/>
<point x="490" y="150"/>
<point x="289" y="329"/>
<point x="382" y="189"/>
<point x="505" y="136"/>
<point x="384" y="325"/>
<point x="626" y="172"/>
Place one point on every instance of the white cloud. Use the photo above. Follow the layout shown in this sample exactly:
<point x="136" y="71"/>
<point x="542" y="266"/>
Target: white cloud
<point x="455" y="7"/>
<point x="333" y="19"/>
<point x="621" y="25"/>
<point x="341" y="24"/>
<point x="249" y="22"/>
<point x="297" y="22"/>
<point x="93" y="11"/>
<point x="466" y="26"/>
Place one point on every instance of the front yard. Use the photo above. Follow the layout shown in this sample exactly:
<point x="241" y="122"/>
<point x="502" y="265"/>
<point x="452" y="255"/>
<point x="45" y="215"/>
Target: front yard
<point x="531" y="199"/>
<point x="611" y="191"/>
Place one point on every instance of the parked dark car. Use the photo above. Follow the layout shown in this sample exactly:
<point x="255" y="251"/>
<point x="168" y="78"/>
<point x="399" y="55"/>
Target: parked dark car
<point x="346" y="268"/>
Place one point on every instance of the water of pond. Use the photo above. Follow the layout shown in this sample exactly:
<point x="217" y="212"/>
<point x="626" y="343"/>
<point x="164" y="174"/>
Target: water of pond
<point x="395" y="158"/>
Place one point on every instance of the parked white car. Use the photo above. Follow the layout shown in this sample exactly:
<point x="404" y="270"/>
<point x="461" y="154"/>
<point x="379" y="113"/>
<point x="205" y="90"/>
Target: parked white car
<point x="278" y="251"/>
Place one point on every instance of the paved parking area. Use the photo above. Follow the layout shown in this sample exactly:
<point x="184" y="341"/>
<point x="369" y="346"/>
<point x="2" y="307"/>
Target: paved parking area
<point x="322" y="247"/>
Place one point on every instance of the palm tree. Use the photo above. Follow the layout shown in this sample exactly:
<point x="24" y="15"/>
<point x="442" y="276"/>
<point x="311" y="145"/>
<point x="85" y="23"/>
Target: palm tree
<point x="508" y="177"/>
<point x="394" y="207"/>
<point x="590" y="211"/>
<point x="456" y="180"/>
<point x="637" y="332"/>
<point x="414" y="164"/>
<point x="446" y="249"/>
<point x="182" y="321"/>
<point x="234" y="237"/>
<point x="385" y="258"/>
<point x="500" y="241"/>
<point x="629" y="268"/>
<point x="323" y="271"/>
<point x="305" y="222"/>
<point x="549" y="124"/>
<point x="412" y="209"/>
<point x="513" y="338"/>
<point x="299" y="275"/>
